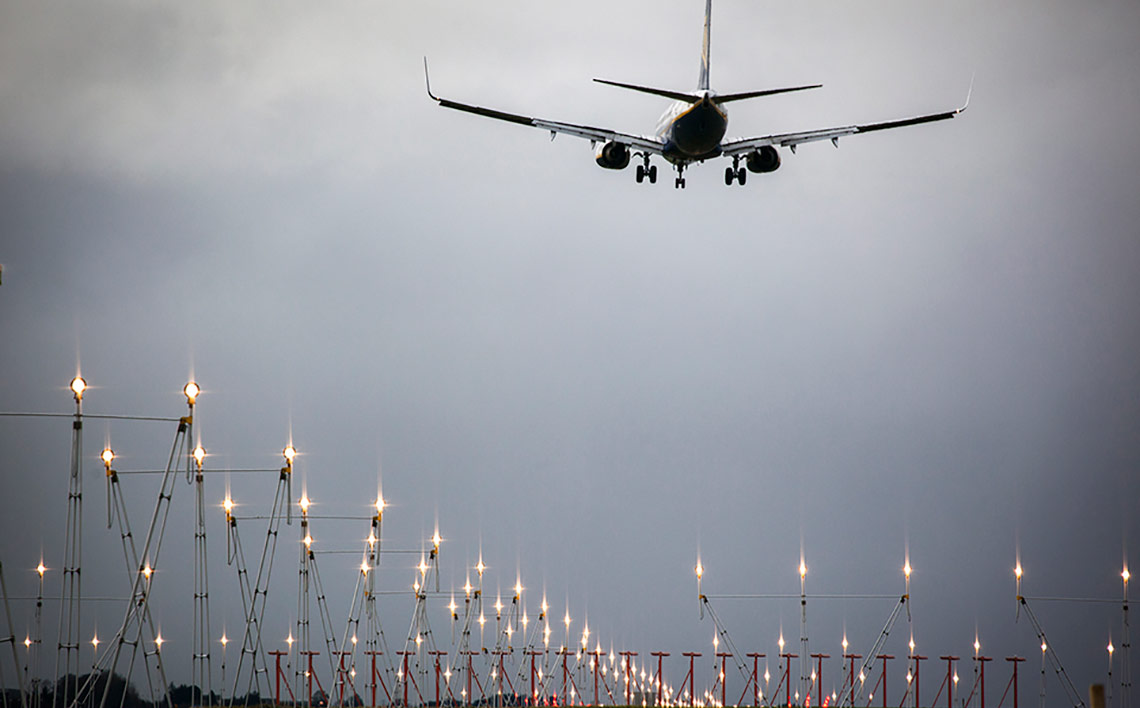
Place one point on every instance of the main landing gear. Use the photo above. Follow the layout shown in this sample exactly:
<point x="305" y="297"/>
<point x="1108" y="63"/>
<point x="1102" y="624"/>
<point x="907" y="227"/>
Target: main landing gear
<point x="736" y="172"/>
<point x="646" y="170"/>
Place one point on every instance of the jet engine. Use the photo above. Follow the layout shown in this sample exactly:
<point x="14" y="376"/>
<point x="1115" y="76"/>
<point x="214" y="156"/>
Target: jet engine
<point x="766" y="159"/>
<point x="613" y="156"/>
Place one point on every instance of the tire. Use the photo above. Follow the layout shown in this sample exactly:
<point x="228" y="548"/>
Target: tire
<point x="742" y="176"/>
<point x="640" y="173"/>
<point x="653" y="174"/>
<point x="729" y="174"/>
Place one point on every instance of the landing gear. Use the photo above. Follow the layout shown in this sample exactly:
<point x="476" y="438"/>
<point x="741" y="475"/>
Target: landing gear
<point x="646" y="170"/>
<point x="736" y="172"/>
<point x="679" y="183"/>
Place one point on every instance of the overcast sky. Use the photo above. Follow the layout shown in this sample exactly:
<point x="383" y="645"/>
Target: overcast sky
<point x="926" y="341"/>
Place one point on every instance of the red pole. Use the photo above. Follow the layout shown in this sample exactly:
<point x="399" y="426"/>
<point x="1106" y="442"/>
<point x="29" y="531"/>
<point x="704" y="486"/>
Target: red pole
<point x="884" y="657"/>
<point x="407" y="678"/>
<point x="819" y="676"/>
<point x="1015" y="660"/>
<point x="917" y="663"/>
<point x="596" y="660"/>
<point x="851" y="673"/>
<point x="755" y="682"/>
<point x="692" y="686"/>
<point x="627" y="669"/>
<point x="949" y="679"/>
<point x="723" y="676"/>
<point x="660" y="681"/>
<point x="982" y="675"/>
<point x="533" y="695"/>
<point x="788" y="677"/>
<point x="277" y="678"/>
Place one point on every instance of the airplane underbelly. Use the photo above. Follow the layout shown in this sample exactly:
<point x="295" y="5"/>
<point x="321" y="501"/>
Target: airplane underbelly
<point x="698" y="132"/>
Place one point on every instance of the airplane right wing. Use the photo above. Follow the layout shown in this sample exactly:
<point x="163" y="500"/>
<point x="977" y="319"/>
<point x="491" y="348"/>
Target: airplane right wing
<point x="638" y="142"/>
<point x="791" y="140"/>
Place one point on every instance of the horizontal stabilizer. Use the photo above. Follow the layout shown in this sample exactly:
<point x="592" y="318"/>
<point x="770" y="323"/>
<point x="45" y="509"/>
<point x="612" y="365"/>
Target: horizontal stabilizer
<point x="757" y="94"/>
<point x="675" y="95"/>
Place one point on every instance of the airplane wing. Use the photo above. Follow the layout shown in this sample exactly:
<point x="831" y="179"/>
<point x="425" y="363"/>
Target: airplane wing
<point x="638" y="142"/>
<point x="791" y="140"/>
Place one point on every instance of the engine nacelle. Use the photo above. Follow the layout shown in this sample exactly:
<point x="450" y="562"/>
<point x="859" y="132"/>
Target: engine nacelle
<point x="766" y="159"/>
<point x="613" y="156"/>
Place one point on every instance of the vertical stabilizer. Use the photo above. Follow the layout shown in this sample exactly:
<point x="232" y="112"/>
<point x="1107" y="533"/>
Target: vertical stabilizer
<point x="703" y="84"/>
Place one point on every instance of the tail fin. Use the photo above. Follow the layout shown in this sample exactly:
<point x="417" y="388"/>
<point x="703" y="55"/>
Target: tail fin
<point x="703" y="83"/>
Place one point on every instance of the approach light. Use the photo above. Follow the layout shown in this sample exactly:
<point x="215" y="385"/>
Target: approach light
<point x="1017" y="571"/>
<point x="95" y="642"/>
<point x="436" y="540"/>
<point x="78" y="386"/>
<point x="108" y="457"/>
<point x="40" y="569"/>
<point x="906" y="570"/>
<point x="199" y="455"/>
<point x="224" y="640"/>
<point x="1126" y="575"/>
<point x="191" y="390"/>
<point x="803" y="570"/>
<point x="480" y="568"/>
<point x="700" y="570"/>
<point x="289" y="452"/>
<point x="228" y="505"/>
<point x="304" y="503"/>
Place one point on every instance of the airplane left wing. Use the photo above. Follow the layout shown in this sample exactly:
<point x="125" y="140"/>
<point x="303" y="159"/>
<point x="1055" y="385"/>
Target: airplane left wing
<point x="638" y="142"/>
<point x="791" y="140"/>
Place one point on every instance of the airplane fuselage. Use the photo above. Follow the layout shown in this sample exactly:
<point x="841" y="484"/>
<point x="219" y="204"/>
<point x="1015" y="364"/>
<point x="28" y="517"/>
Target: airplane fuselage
<point x="692" y="131"/>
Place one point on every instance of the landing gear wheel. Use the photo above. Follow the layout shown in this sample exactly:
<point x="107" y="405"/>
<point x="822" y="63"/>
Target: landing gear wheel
<point x="729" y="175"/>
<point x="652" y="172"/>
<point x="679" y="183"/>
<point x="641" y="174"/>
<point x="742" y="176"/>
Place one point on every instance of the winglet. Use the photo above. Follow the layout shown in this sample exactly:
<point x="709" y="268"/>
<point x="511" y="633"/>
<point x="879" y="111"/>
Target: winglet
<point x="969" y="92"/>
<point x="427" y="81"/>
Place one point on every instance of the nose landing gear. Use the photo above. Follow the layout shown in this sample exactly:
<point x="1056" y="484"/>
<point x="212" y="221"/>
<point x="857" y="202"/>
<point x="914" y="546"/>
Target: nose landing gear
<point x="679" y="183"/>
<point x="736" y="172"/>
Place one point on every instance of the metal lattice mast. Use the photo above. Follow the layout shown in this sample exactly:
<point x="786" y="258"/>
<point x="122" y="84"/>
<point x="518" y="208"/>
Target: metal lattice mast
<point x="37" y="640"/>
<point x="70" y="594"/>
<point x="302" y="602"/>
<point x="138" y="609"/>
<point x="375" y="641"/>
<point x="253" y="599"/>
<point x="12" y="639"/>
<point x="202" y="681"/>
<point x="117" y="512"/>
<point x="1125" y="650"/>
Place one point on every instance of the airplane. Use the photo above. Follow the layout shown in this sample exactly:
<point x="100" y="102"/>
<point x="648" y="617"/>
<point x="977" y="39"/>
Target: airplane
<point x="692" y="129"/>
